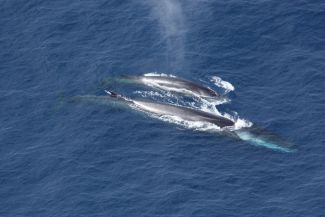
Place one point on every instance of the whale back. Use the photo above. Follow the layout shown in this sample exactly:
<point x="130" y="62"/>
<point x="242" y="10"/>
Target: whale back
<point x="174" y="84"/>
<point x="185" y="113"/>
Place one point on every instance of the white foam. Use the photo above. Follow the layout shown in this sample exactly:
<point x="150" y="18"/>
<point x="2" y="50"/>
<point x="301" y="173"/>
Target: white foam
<point x="223" y="84"/>
<point x="151" y="94"/>
<point x="162" y="95"/>
<point x="193" y="125"/>
<point x="239" y="122"/>
<point x="159" y="74"/>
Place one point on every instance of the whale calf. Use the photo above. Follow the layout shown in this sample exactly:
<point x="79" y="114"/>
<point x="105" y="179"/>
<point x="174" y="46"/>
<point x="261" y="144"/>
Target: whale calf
<point x="172" y="84"/>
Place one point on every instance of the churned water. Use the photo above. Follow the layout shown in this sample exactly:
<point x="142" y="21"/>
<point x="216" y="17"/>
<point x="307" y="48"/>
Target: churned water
<point x="60" y="157"/>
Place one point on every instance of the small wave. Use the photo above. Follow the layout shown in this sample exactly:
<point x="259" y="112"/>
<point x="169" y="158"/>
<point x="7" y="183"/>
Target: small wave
<point x="161" y="95"/>
<point x="158" y="74"/>
<point x="239" y="123"/>
<point x="223" y="84"/>
<point x="152" y="94"/>
<point x="193" y="125"/>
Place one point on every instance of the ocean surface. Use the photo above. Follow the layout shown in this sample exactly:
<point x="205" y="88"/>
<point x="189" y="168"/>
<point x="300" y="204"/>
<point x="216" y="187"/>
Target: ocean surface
<point x="62" y="157"/>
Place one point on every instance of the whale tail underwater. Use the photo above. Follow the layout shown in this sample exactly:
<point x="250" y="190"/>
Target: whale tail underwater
<point x="261" y="137"/>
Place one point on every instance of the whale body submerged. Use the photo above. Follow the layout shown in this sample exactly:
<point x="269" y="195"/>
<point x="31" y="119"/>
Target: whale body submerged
<point x="172" y="84"/>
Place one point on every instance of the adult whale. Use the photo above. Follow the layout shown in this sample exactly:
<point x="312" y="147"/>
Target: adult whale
<point x="172" y="84"/>
<point x="185" y="113"/>
<point x="253" y="135"/>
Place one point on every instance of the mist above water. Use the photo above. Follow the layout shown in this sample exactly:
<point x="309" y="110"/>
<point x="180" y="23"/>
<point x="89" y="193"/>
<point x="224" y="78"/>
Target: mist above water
<point x="170" y="18"/>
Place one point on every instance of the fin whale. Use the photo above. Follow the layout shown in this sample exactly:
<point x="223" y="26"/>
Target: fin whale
<point x="185" y="113"/>
<point x="252" y="135"/>
<point x="172" y="84"/>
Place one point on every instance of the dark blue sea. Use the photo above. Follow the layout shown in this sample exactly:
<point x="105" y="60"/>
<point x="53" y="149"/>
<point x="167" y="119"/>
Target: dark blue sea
<point x="61" y="157"/>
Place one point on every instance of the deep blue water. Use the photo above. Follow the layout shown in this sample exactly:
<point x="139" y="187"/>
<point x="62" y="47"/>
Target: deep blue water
<point x="61" y="158"/>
